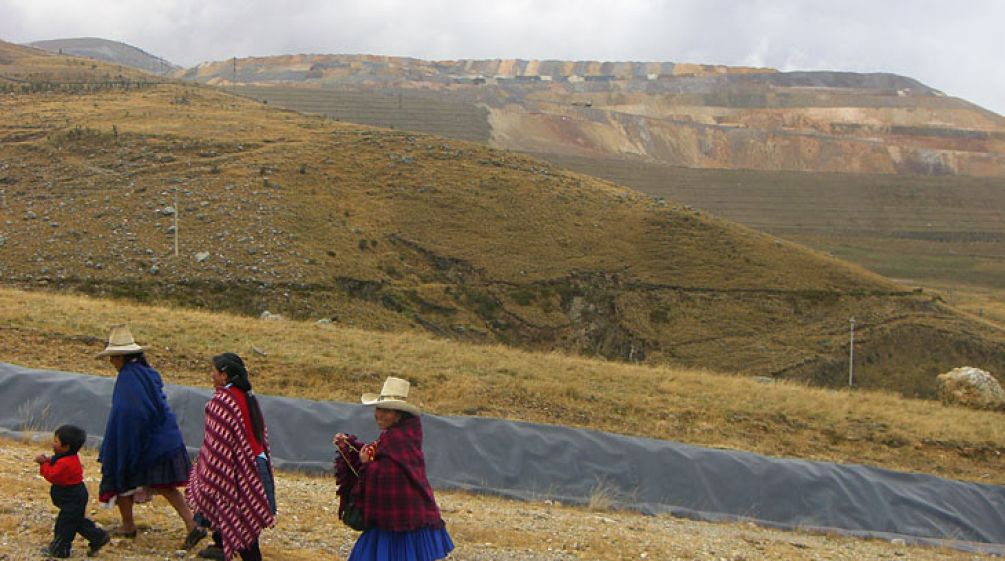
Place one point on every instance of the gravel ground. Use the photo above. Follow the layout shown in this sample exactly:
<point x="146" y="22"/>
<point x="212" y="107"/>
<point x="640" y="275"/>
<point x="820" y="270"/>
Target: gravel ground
<point x="483" y="528"/>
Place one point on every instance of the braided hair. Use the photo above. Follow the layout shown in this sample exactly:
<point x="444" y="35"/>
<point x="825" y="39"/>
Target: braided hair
<point x="237" y="375"/>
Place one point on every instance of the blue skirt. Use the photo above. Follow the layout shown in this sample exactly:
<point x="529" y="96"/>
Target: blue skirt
<point x="425" y="544"/>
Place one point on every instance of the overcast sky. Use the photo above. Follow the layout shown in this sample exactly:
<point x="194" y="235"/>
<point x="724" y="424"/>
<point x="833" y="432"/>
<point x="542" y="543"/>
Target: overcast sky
<point x="955" y="46"/>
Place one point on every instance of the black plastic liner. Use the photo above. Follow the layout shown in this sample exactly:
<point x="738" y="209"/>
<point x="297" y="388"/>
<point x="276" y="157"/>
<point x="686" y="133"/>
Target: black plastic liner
<point x="537" y="462"/>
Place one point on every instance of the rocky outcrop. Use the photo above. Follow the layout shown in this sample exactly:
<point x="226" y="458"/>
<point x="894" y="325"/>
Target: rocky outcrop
<point x="971" y="387"/>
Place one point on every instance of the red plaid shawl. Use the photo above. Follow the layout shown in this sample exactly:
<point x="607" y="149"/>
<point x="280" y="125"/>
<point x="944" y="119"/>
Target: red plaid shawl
<point x="393" y="489"/>
<point x="224" y="485"/>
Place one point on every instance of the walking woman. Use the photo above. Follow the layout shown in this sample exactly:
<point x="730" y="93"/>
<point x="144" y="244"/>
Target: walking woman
<point x="386" y="481"/>
<point x="232" y="488"/>
<point x="143" y="449"/>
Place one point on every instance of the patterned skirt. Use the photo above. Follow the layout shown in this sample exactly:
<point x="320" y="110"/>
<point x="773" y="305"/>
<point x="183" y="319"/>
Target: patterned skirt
<point x="425" y="544"/>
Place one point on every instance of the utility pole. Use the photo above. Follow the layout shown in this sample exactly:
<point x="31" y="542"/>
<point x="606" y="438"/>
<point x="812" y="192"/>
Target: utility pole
<point x="851" y="352"/>
<point x="176" y="211"/>
<point x="233" y="81"/>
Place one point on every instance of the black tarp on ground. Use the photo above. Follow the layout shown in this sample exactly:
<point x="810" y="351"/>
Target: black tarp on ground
<point x="530" y="461"/>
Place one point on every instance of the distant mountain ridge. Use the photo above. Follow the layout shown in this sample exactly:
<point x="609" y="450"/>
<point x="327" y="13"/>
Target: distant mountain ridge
<point x="109" y="51"/>
<point x="690" y="115"/>
<point x="666" y="113"/>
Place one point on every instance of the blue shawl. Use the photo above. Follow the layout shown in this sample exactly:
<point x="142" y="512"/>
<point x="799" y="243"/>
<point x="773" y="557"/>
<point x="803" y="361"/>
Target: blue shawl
<point x="141" y="428"/>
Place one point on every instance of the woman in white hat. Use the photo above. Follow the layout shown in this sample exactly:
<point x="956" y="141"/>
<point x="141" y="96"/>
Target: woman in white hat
<point x="143" y="449"/>
<point x="385" y="483"/>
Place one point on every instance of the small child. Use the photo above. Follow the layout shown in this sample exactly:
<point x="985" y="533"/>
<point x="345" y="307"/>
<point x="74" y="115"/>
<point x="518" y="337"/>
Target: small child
<point x="69" y="493"/>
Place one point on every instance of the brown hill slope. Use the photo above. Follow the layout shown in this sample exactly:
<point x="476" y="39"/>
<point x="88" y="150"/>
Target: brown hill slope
<point x="26" y="69"/>
<point x="115" y="52"/>
<point x="942" y="232"/>
<point x="937" y="232"/>
<point x="393" y="230"/>
<point x="674" y="114"/>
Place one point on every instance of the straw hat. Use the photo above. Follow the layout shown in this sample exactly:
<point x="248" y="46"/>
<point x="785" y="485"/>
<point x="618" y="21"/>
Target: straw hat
<point x="392" y="396"/>
<point x="120" y="342"/>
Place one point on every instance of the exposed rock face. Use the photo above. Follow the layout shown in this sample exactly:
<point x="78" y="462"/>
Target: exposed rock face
<point x="970" y="387"/>
<point x="689" y="115"/>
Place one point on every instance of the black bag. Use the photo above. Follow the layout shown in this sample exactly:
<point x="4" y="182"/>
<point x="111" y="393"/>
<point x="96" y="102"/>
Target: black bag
<point x="352" y="516"/>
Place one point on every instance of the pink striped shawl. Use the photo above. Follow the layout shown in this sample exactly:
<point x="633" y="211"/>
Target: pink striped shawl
<point x="224" y="485"/>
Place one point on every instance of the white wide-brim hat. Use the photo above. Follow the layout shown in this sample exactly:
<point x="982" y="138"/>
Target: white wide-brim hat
<point x="120" y="342"/>
<point x="393" y="395"/>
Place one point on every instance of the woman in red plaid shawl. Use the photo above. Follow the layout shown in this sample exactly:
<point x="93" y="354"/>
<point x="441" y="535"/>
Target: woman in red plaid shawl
<point x="386" y="479"/>
<point x="231" y="487"/>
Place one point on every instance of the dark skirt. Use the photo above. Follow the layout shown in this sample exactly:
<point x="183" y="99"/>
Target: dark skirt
<point x="170" y="471"/>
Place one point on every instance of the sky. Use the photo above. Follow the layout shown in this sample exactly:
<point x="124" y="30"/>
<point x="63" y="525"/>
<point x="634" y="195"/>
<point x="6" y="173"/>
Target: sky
<point x="953" y="46"/>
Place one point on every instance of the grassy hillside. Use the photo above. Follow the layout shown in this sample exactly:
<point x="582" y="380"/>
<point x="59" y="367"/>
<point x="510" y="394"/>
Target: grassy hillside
<point x="396" y="231"/>
<point x="302" y="359"/>
<point x="927" y="230"/>
<point x="943" y="231"/>
<point x="24" y="69"/>
<point x="110" y="51"/>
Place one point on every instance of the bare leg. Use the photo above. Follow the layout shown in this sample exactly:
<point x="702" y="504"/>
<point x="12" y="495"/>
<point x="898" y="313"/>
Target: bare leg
<point x="174" y="496"/>
<point x="125" y="504"/>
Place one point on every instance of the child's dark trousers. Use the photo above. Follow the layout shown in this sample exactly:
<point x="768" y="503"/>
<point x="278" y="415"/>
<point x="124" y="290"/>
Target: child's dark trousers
<point x="72" y="519"/>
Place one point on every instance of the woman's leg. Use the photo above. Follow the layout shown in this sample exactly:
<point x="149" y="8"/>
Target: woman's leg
<point x="175" y="498"/>
<point x="253" y="553"/>
<point x="125" y="504"/>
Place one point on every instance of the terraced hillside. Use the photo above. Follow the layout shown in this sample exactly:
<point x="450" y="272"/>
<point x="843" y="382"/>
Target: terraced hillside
<point x="461" y="121"/>
<point x="676" y="114"/>
<point x="934" y="231"/>
<point x="391" y="230"/>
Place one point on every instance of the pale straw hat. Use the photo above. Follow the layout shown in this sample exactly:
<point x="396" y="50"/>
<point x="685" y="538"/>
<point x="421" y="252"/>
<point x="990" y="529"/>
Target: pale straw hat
<point x="120" y="342"/>
<point x="393" y="395"/>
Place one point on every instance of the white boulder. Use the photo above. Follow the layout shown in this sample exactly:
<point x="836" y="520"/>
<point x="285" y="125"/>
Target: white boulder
<point x="970" y="387"/>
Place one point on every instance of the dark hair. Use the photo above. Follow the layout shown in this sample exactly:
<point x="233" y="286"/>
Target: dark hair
<point x="237" y="375"/>
<point x="402" y="415"/>
<point x="72" y="436"/>
<point x="138" y="357"/>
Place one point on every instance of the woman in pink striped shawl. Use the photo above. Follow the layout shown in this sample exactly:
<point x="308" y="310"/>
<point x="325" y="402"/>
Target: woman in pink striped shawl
<point x="231" y="486"/>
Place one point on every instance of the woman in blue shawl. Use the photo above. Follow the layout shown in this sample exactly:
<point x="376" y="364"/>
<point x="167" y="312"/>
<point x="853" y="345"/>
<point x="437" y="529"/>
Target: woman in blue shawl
<point x="143" y="449"/>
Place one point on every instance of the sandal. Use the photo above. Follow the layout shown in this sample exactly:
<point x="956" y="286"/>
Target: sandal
<point x="194" y="537"/>
<point x="118" y="532"/>
<point x="211" y="552"/>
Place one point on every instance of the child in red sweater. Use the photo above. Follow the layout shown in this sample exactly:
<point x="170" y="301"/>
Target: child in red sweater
<point x="69" y="493"/>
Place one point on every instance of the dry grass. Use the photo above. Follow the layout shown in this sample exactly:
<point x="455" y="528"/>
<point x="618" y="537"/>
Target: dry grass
<point x="982" y="303"/>
<point x="337" y="363"/>
<point x="602" y="497"/>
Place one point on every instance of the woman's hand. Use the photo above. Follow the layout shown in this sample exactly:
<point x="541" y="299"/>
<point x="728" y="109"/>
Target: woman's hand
<point x="340" y="439"/>
<point x="367" y="453"/>
<point x="41" y="459"/>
